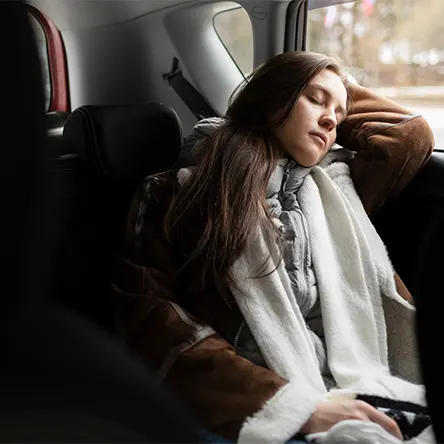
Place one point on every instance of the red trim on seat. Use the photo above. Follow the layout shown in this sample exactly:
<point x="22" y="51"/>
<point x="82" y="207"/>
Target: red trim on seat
<point x="57" y="62"/>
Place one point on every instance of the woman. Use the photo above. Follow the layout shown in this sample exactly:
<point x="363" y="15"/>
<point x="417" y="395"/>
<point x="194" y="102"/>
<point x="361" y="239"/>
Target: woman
<point x="253" y="281"/>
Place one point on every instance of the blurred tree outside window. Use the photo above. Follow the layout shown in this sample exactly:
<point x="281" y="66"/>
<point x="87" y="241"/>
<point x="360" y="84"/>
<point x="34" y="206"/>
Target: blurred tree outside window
<point x="395" y="47"/>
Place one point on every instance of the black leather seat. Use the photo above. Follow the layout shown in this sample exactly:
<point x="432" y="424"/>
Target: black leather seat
<point x="54" y="123"/>
<point x="123" y="144"/>
<point x="108" y="152"/>
<point x="61" y="379"/>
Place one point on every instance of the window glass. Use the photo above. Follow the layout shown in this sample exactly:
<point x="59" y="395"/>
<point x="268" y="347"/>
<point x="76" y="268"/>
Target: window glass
<point x="234" y="29"/>
<point x="395" y="47"/>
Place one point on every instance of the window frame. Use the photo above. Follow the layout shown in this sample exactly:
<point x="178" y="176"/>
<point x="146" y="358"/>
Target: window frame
<point x="234" y="8"/>
<point x="301" y="24"/>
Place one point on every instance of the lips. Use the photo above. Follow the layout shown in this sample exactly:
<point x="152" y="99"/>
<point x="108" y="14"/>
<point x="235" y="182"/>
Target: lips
<point x="321" y="137"/>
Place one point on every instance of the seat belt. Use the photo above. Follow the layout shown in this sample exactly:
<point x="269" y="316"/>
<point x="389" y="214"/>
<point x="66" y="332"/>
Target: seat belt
<point x="188" y="93"/>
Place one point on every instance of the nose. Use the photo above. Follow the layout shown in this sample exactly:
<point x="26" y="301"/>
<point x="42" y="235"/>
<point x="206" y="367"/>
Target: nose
<point x="328" y="120"/>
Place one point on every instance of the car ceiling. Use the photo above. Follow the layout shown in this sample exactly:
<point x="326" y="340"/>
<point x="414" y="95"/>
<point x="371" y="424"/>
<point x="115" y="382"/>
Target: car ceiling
<point x="75" y="14"/>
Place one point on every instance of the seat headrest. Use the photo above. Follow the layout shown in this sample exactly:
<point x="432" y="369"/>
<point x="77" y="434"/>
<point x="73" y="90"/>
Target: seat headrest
<point x="125" y="143"/>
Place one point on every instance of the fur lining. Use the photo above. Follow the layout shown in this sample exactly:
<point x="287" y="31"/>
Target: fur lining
<point x="279" y="420"/>
<point x="183" y="175"/>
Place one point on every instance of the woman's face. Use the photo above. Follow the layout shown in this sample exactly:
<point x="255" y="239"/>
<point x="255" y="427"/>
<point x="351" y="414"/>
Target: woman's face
<point x="310" y="130"/>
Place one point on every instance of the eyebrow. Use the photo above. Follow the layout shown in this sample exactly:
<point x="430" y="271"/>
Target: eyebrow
<point x="341" y="109"/>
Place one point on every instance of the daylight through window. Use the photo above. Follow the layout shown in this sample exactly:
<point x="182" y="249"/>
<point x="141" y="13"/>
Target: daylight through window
<point x="395" y="47"/>
<point x="233" y="27"/>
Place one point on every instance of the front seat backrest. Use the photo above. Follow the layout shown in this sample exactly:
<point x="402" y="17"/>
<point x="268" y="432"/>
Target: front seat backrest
<point x="61" y="380"/>
<point x="22" y="101"/>
<point x="112" y="149"/>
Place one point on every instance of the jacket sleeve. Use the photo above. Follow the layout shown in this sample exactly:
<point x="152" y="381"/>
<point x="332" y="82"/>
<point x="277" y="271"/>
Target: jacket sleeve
<point x="392" y="144"/>
<point x="222" y="388"/>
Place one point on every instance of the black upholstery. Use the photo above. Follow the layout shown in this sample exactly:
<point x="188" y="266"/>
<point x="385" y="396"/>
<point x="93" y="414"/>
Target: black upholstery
<point x="112" y="148"/>
<point x="61" y="379"/>
<point x="67" y="382"/>
<point x="125" y="143"/>
<point x="54" y="122"/>
<point x="20" y="93"/>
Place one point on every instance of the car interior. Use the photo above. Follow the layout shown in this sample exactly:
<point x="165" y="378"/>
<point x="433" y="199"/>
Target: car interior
<point x="106" y="92"/>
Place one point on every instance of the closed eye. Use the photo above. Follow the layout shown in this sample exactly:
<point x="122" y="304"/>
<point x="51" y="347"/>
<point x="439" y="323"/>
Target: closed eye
<point x="316" y="101"/>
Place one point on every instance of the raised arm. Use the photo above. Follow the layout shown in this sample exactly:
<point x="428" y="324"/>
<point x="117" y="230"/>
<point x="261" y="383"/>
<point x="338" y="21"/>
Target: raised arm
<point x="392" y="145"/>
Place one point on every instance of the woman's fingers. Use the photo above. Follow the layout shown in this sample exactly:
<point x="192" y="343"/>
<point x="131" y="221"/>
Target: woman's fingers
<point x="329" y="413"/>
<point x="381" y="418"/>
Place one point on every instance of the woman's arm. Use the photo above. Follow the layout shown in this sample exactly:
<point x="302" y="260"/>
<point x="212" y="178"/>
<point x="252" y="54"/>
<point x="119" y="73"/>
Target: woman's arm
<point x="392" y="145"/>
<point x="222" y="388"/>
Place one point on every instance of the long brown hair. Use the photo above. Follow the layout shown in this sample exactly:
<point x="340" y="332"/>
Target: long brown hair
<point x="215" y="211"/>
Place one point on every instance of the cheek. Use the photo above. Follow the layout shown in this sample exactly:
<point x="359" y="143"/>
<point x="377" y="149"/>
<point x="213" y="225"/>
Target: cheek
<point x="291" y="137"/>
<point x="297" y="122"/>
<point x="306" y="116"/>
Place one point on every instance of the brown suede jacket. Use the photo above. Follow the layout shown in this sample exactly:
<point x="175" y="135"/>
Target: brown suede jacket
<point x="179" y="337"/>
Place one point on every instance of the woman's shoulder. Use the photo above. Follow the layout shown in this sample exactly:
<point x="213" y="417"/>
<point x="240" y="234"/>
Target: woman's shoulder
<point x="161" y="186"/>
<point x="153" y="196"/>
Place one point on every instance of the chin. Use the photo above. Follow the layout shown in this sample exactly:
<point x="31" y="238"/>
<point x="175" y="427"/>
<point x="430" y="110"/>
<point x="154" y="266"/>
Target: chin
<point x="308" y="161"/>
<point x="308" y="157"/>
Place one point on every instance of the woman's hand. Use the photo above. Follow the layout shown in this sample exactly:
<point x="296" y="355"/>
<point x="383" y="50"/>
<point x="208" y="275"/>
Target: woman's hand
<point x="329" y="413"/>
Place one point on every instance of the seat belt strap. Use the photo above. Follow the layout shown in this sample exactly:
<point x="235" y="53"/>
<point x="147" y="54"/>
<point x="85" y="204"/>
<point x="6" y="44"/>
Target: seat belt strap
<point x="188" y="93"/>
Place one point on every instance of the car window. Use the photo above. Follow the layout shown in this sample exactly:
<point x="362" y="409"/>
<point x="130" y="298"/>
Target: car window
<point x="233" y="26"/>
<point x="42" y="47"/>
<point x="395" y="47"/>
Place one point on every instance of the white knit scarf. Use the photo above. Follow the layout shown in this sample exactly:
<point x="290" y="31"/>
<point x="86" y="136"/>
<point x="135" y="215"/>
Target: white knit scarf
<point x="369" y="328"/>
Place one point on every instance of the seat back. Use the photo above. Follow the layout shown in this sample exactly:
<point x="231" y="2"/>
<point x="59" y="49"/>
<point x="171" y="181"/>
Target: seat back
<point x="20" y="179"/>
<point x="108" y="151"/>
<point x="54" y="123"/>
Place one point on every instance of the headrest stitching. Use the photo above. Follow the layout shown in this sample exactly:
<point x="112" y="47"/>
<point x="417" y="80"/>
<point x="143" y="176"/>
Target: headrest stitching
<point x="96" y="154"/>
